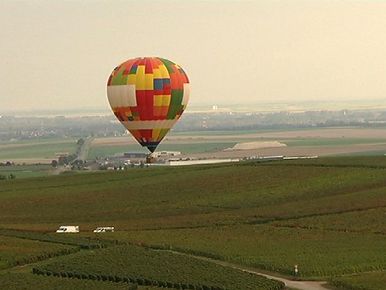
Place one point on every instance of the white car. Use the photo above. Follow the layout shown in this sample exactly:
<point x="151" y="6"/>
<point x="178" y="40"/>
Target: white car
<point x="104" y="230"/>
<point x="68" y="229"/>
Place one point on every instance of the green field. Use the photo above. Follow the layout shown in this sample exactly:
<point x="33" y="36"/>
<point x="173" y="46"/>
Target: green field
<point x="16" y="251"/>
<point x="25" y="171"/>
<point x="104" y="151"/>
<point x="275" y="249"/>
<point x="27" y="281"/>
<point x="40" y="140"/>
<point x="363" y="221"/>
<point x="149" y="197"/>
<point x="45" y="148"/>
<point x="136" y="264"/>
<point x="326" y="215"/>
<point x="365" y="281"/>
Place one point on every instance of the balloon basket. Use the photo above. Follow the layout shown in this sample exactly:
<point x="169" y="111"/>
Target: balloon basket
<point x="150" y="159"/>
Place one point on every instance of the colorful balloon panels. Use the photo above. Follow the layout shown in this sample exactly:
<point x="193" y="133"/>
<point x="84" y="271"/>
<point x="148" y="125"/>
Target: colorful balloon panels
<point x="148" y="96"/>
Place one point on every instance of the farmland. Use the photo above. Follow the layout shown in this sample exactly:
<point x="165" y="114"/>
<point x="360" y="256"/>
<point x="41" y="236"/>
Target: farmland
<point x="147" y="267"/>
<point x="316" y="252"/>
<point x="28" y="151"/>
<point x="25" y="171"/>
<point x="322" y="141"/>
<point x="248" y="192"/>
<point x="12" y="281"/>
<point x="371" y="220"/>
<point x="15" y="251"/>
<point x="209" y="144"/>
<point x="267" y="216"/>
<point x="368" y="281"/>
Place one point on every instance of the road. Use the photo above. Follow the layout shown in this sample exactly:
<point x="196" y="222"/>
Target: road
<point x="84" y="149"/>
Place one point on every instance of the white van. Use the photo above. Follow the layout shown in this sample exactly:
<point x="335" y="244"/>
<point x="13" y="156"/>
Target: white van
<point x="68" y="229"/>
<point x="104" y="230"/>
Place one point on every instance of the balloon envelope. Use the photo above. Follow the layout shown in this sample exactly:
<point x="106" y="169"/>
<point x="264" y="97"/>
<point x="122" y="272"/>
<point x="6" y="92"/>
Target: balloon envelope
<point x="148" y="96"/>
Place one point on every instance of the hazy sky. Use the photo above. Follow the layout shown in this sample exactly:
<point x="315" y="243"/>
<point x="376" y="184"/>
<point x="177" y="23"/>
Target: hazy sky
<point x="59" y="54"/>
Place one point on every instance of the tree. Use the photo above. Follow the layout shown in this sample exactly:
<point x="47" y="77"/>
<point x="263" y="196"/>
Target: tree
<point x="80" y="142"/>
<point x="54" y="163"/>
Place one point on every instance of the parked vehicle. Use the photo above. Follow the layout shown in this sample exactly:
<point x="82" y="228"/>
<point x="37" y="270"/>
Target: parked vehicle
<point x="68" y="229"/>
<point x="104" y="230"/>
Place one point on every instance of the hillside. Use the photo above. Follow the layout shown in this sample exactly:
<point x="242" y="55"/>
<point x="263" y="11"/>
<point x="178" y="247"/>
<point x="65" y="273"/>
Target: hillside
<point x="327" y="216"/>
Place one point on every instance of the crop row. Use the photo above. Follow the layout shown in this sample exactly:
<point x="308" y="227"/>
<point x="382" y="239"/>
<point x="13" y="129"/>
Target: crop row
<point x="363" y="281"/>
<point x="237" y="191"/>
<point x="317" y="253"/>
<point x="134" y="282"/>
<point x="145" y="267"/>
<point x="41" y="257"/>
<point x="16" y="251"/>
<point x="341" y="161"/>
<point x="83" y="243"/>
<point x="12" y="281"/>
<point x="365" y="221"/>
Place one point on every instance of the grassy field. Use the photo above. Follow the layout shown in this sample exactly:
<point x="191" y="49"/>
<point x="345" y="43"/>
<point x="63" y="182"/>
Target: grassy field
<point x="365" y="281"/>
<point x="326" y="215"/>
<point x="16" y="251"/>
<point x="318" y="253"/>
<point x="136" y="264"/>
<point x="40" y="140"/>
<point x="27" y="281"/>
<point x="207" y="195"/>
<point x="104" y="151"/>
<point x="25" y="171"/>
<point x="36" y="149"/>
<point x="363" y="221"/>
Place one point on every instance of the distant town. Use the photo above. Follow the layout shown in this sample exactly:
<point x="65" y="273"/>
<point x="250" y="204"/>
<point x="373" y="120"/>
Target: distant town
<point x="17" y="127"/>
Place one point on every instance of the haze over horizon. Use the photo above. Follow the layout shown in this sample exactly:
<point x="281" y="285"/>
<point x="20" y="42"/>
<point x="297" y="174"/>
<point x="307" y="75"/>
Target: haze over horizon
<point x="59" y="54"/>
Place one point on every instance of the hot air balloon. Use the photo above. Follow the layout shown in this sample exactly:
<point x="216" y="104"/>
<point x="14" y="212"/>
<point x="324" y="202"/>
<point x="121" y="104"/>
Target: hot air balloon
<point x="148" y="96"/>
